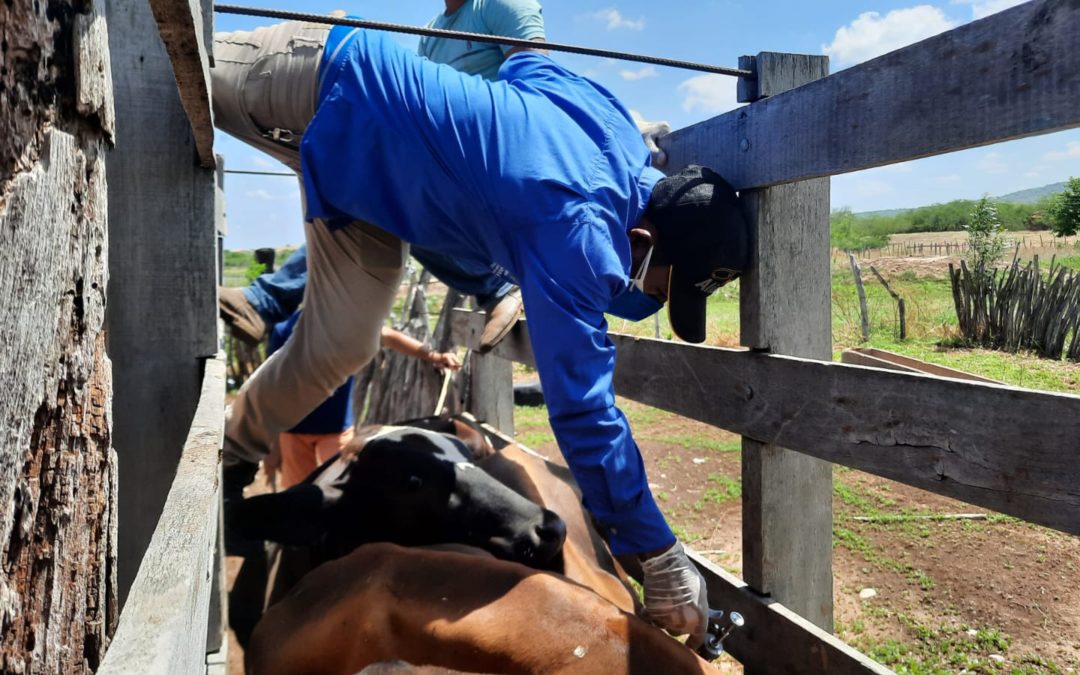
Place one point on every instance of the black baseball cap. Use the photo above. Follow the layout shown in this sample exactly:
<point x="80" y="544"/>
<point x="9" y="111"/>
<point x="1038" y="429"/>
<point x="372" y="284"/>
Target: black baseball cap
<point x="704" y="236"/>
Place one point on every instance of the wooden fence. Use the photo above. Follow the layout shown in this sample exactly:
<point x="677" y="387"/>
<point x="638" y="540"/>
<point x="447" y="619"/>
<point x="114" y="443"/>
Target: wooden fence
<point x="1020" y="308"/>
<point x="1011" y="75"/>
<point x="1043" y="241"/>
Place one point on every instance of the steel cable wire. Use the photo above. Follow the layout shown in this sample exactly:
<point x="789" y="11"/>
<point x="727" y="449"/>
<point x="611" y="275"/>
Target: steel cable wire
<point x="476" y="37"/>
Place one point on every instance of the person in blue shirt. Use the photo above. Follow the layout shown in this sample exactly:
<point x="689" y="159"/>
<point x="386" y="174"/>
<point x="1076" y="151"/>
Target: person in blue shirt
<point x="273" y="297"/>
<point x="541" y="174"/>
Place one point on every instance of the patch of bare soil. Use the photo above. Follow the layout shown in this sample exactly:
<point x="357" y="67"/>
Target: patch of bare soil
<point x="929" y="266"/>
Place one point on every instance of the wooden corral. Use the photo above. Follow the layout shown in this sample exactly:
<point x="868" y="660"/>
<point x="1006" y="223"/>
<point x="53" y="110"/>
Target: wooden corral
<point x="1013" y="450"/>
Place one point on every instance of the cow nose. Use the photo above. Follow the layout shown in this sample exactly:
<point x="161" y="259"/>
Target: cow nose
<point x="551" y="532"/>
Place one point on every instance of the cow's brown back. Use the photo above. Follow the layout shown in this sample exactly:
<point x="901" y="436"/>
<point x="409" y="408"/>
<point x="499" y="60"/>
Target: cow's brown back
<point x="454" y="610"/>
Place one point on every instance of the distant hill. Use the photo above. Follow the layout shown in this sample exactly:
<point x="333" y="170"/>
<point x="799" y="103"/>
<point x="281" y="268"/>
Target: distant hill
<point x="1033" y="195"/>
<point x="1021" y="197"/>
<point x="887" y="213"/>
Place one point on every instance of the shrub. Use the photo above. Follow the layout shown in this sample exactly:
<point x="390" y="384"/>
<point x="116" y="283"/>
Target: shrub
<point x="986" y="236"/>
<point x="1064" y="210"/>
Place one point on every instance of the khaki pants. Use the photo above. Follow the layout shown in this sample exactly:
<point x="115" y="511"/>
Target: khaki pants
<point x="267" y="80"/>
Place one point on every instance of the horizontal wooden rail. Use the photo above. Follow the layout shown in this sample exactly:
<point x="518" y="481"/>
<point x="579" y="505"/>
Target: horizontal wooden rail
<point x="775" y="639"/>
<point x="186" y="28"/>
<point x="1007" y="449"/>
<point x="1010" y="75"/>
<point x="162" y="628"/>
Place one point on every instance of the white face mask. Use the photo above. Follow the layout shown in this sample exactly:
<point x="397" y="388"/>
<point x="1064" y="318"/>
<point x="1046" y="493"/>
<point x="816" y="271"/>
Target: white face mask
<point x="638" y="281"/>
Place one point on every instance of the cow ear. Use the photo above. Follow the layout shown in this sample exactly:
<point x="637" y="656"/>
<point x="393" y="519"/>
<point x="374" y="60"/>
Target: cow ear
<point x="294" y="517"/>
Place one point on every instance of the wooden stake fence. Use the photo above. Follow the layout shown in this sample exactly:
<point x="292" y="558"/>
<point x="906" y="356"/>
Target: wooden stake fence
<point x="1020" y="308"/>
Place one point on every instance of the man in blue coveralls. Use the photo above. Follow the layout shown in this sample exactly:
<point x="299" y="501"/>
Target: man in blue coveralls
<point x="541" y="174"/>
<point x="272" y="298"/>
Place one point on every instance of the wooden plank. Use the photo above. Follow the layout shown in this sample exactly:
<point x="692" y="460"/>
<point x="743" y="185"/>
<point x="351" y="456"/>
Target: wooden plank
<point x="787" y="496"/>
<point x="880" y="358"/>
<point x="1004" y="448"/>
<point x="775" y="639"/>
<point x="1010" y="75"/>
<point x="162" y="298"/>
<point x="217" y="625"/>
<point x="163" y="626"/>
<point x="185" y="26"/>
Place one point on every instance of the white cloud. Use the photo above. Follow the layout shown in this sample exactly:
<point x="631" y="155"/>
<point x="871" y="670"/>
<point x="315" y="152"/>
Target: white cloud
<point x="874" y="188"/>
<point x="1071" y="151"/>
<point x="264" y="162"/>
<point x="266" y="196"/>
<point x="615" y="20"/>
<point x="992" y="162"/>
<point x="712" y="94"/>
<point x="1032" y="174"/>
<point x="948" y="179"/>
<point x="984" y="8"/>
<point x="639" y="74"/>
<point x="872" y="35"/>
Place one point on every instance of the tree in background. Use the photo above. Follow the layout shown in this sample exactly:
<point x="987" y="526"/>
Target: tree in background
<point x="1064" y="210"/>
<point x="849" y="234"/>
<point x="987" y="238"/>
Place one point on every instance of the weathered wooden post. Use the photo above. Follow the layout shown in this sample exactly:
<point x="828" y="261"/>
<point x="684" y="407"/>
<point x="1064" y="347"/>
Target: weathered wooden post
<point x="57" y="469"/>
<point x="491" y="391"/>
<point x="785" y="309"/>
<point x="864" y="314"/>
<point x="163" y="268"/>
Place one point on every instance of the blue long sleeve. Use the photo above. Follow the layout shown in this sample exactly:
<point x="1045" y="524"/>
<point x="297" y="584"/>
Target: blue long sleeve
<point x="576" y="362"/>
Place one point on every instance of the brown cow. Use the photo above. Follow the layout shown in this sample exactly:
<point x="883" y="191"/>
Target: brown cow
<point x="455" y="610"/>
<point x="585" y="557"/>
<point x="404" y="485"/>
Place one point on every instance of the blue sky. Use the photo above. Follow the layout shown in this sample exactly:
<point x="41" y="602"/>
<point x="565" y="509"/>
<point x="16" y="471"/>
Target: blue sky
<point x="265" y="211"/>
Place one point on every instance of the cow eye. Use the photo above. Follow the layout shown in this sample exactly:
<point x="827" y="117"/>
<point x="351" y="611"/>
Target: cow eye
<point x="414" y="483"/>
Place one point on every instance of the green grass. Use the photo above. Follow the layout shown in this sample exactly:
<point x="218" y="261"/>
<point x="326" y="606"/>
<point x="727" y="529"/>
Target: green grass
<point x="693" y="442"/>
<point x="721" y="489"/>
<point x="1072" y="262"/>
<point x="531" y="426"/>
<point x="947" y="649"/>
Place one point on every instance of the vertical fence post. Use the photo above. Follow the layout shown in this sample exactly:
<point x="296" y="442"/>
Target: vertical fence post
<point x="786" y="309"/>
<point x="491" y="391"/>
<point x="162" y="317"/>
<point x="864" y="313"/>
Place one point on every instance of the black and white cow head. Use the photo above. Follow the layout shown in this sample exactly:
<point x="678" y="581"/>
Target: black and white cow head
<point x="406" y="486"/>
